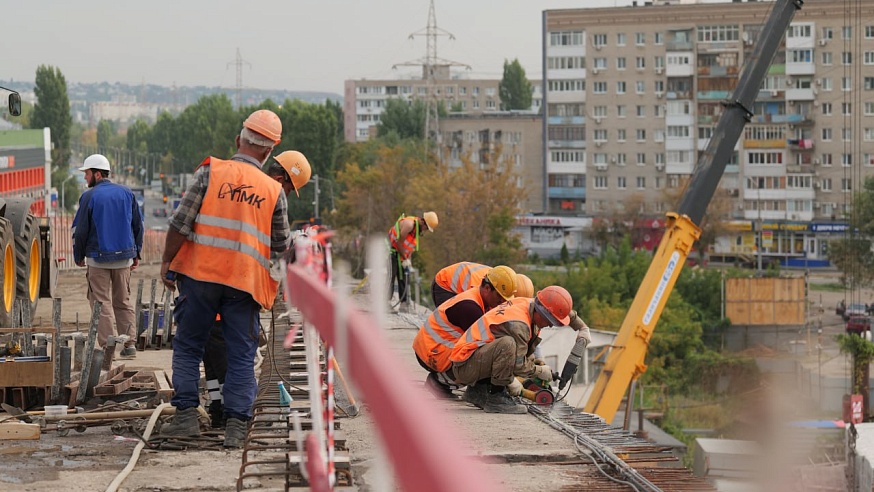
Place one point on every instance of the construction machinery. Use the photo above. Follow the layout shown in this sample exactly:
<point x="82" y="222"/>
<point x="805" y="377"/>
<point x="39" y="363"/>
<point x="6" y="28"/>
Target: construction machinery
<point x="625" y="362"/>
<point x="27" y="269"/>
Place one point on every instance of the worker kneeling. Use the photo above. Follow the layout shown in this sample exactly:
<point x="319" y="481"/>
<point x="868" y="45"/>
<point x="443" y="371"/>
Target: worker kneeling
<point x="498" y="347"/>
<point x="447" y="323"/>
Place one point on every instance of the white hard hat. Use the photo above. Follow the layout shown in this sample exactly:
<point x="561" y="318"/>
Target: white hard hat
<point x="95" y="161"/>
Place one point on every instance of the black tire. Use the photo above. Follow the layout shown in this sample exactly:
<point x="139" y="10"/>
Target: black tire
<point x="28" y="262"/>
<point x="8" y="280"/>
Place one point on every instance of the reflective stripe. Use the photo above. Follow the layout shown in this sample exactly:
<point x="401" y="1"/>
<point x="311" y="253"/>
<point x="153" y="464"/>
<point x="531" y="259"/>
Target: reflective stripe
<point x="467" y="269"/>
<point x="236" y="225"/>
<point x="230" y="245"/>
<point x="438" y="337"/>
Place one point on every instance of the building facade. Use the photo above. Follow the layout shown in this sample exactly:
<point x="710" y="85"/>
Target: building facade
<point x="633" y="94"/>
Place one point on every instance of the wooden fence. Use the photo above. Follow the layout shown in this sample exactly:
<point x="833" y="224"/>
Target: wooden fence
<point x="765" y="301"/>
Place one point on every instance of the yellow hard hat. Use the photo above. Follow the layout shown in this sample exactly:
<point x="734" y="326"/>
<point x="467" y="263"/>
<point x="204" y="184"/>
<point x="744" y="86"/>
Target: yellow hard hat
<point x="503" y="279"/>
<point x="430" y="220"/>
<point x="265" y="122"/>
<point x="524" y="286"/>
<point x="297" y="166"/>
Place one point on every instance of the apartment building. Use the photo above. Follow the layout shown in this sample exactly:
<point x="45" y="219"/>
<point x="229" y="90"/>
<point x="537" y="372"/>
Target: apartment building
<point x="633" y="94"/>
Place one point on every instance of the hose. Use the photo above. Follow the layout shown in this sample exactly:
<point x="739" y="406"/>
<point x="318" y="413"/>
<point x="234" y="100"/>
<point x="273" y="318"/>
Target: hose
<point x="113" y="487"/>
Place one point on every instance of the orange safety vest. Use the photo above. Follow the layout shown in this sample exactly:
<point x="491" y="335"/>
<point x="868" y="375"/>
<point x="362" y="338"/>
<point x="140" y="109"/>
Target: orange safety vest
<point x="461" y="276"/>
<point x="230" y="241"/>
<point x="404" y="246"/>
<point x="480" y="333"/>
<point x="438" y="335"/>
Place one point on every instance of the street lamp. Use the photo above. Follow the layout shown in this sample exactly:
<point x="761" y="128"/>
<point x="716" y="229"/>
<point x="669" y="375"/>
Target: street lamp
<point x="316" y="179"/>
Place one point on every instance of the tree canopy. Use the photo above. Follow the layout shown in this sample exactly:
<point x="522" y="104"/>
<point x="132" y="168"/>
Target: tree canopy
<point x="514" y="88"/>
<point x="402" y="119"/>
<point x="52" y="110"/>
<point x="853" y="254"/>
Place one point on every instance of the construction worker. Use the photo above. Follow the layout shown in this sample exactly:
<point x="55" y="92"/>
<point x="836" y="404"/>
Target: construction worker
<point x="232" y="220"/>
<point x="403" y="240"/>
<point x="292" y="170"/>
<point x="459" y="277"/>
<point x="447" y="323"/>
<point x="500" y="345"/>
<point x="524" y="286"/>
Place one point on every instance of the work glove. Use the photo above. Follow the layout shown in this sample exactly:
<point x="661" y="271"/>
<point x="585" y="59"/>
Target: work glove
<point x="539" y="362"/>
<point x="514" y="388"/>
<point x="577" y="323"/>
<point x="585" y="335"/>
<point x="407" y="264"/>
<point x="544" y="372"/>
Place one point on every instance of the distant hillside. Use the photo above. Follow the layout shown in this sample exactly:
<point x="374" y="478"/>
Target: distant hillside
<point x="184" y="95"/>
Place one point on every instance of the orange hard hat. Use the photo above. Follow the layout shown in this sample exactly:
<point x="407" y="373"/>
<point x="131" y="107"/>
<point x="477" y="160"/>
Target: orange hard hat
<point x="555" y="304"/>
<point x="524" y="286"/>
<point x="297" y="166"/>
<point x="265" y="122"/>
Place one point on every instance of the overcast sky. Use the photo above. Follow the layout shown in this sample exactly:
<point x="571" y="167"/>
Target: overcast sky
<point x="292" y="44"/>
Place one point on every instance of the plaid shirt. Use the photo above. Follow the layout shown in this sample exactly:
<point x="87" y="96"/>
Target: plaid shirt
<point x="183" y="218"/>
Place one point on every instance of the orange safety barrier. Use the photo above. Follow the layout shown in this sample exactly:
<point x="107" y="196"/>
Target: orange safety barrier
<point x="425" y="448"/>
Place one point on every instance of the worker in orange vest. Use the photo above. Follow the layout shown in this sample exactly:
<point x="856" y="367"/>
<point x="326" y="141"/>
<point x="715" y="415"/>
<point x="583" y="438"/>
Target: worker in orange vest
<point x="447" y="323"/>
<point x="292" y="170"/>
<point x="403" y="239"/>
<point x="218" y="251"/>
<point x="459" y="277"/>
<point x="500" y="346"/>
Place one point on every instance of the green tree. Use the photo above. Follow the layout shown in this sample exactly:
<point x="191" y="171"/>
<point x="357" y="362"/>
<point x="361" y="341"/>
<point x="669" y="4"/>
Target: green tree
<point x="206" y="128"/>
<point x="53" y="110"/>
<point x="515" y="89"/>
<point x="862" y="352"/>
<point x="105" y="131"/>
<point x="138" y="137"/>
<point x="402" y="120"/>
<point x="853" y="255"/>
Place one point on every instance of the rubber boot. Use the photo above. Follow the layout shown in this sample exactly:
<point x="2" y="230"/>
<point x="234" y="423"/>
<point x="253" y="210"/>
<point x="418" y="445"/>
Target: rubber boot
<point x="235" y="432"/>
<point x="501" y="402"/>
<point x="184" y="424"/>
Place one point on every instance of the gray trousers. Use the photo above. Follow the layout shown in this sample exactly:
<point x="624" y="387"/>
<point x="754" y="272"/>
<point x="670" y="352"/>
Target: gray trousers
<point x="495" y="360"/>
<point x="112" y="288"/>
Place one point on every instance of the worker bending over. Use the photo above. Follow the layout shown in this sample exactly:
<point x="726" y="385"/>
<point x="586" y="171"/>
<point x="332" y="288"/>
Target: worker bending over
<point x="459" y="277"/>
<point x="403" y="239"/>
<point x="500" y="346"/>
<point x="447" y="323"/>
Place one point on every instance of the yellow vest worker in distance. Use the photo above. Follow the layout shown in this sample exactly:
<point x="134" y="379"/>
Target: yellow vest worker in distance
<point x="498" y="347"/>
<point x="232" y="220"/>
<point x="403" y="240"/>
<point x="447" y="323"/>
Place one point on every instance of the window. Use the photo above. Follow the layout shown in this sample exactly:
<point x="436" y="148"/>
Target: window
<point x="641" y="158"/>
<point x="640" y="63"/>
<point x="658" y="110"/>
<point x="641" y="110"/>
<point x="659" y="159"/>
<point x="599" y="182"/>
<point x="599" y="111"/>
<point x="678" y="131"/>
<point x="565" y="62"/>
<point x="640" y="38"/>
<point x="828" y="33"/>
<point x="846" y="32"/>
<point x="568" y="156"/>
<point x="566" y="85"/>
<point x="566" y="38"/>
<point x="846" y="184"/>
<point x="620" y="39"/>
<point x="658" y="135"/>
<point x="826" y="184"/>
<point x="462" y="91"/>
<point x="765" y="158"/>
<point x="826" y="109"/>
<point x="846" y="84"/>
<point x="641" y="182"/>
<point x="659" y="61"/>
<point x="600" y="135"/>
<point x="600" y="63"/>
<point x="658" y="38"/>
<point x="846" y="109"/>
<point x="846" y="160"/>
<point x="475" y="104"/>
<point x="621" y="159"/>
<point x="490" y="104"/>
<point x="800" y="56"/>
<point x="826" y="160"/>
<point x="826" y="134"/>
<point x="718" y="34"/>
<point x="869" y="32"/>
<point x="659" y="86"/>
<point x="705" y="132"/>
<point x="799" y="31"/>
<point x="868" y="58"/>
<point x="621" y="111"/>
<point x="620" y="87"/>
<point x="846" y="58"/>
<point x="620" y="182"/>
<point x="620" y="63"/>
<point x="620" y="135"/>
<point x="869" y="109"/>
<point x="869" y="134"/>
<point x="600" y="158"/>
<point x="599" y="88"/>
<point x="640" y="87"/>
<point x="826" y="57"/>
<point x="475" y="91"/>
<point x="599" y="40"/>
<point x="826" y="83"/>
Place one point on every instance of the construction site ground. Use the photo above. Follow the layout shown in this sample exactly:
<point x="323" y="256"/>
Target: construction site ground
<point x="520" y="451"/>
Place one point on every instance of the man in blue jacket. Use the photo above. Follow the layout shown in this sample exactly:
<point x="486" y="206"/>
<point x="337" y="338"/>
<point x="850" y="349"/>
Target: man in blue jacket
<point x="108" y="239"/>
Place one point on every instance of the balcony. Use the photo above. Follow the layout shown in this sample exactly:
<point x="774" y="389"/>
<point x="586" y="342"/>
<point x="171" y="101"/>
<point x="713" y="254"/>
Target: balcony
<point x="716" y="71"/>
<point x="571" y="193"/>
<point x="800" y="144"/>
<point x="713" y="95"/>
<point x="678" y="46"/>
<point x="567" y="120"/>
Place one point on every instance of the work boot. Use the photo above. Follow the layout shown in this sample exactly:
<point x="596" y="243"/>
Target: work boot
<point x="502" y="402"/>
<point x="476" y="394"/>
<point x="217" y="417"/>
<point x="129" y="351"/>
<point x="438" y="389"/>
<point x="235" y="433"/>
<point x="184" y="424"/>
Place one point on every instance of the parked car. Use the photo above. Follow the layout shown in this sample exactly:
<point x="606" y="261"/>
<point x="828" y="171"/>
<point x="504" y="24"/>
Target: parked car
<point x="855" y="310"/>
<point x="859" y="325"/>
<point x="160" y="212"/>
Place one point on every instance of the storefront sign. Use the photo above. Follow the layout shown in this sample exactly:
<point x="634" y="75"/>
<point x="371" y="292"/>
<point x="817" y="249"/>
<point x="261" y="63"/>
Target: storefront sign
<point x="829" y="227"/>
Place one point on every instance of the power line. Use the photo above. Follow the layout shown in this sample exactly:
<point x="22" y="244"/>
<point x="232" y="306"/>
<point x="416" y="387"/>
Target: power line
<point x="238" y="63"/>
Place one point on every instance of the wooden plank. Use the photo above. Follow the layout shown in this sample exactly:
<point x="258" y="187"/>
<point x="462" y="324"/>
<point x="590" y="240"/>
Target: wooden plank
<point x="26" y="373"/>
<point x="19" y="431"/>
<point x="162" y="384"/>
<point x="116" y="385"/>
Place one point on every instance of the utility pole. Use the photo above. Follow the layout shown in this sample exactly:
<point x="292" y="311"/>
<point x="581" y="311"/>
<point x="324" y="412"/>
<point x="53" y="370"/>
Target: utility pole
<point x="238" y="63"/>
<point x="433" y="67"/>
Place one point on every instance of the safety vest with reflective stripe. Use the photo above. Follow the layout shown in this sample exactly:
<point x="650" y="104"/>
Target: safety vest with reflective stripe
<point x="438" y="335"/>
<point x="480" y="333"/>
<point x="461" y="276"/>
<point x="406" y="245"/>
<point x="230" y="241"/>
